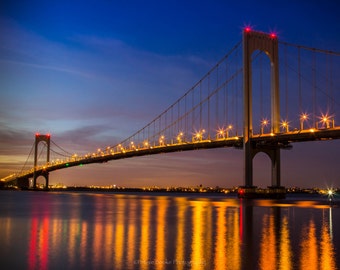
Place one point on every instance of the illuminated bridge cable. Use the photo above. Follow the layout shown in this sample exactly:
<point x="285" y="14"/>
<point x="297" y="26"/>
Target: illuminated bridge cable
<point x="310" y="48"/>
<point x="330" y="82"/>
<point x="41" y="151"/>
<point x="29" y="155"/>
<point x="261" y="89"/>
<point x="304" y="78"/>
<point x="63" y="150"/>
<point x="59" y="154"/>
<point x="314" y="50"/>
<point x="299" y="73"/>
<point x="286" y="84"/>
<point x="206" y="99"/>
<point x="163" y="115"/>
<point x="314" y="88"/>
<point x="200" y="113"/>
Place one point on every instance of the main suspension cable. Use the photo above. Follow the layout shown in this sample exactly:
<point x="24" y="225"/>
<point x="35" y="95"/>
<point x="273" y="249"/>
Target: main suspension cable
<point x="68" y="153"/>
<point x="22" y="169"/>
<point x="310" y="48"/>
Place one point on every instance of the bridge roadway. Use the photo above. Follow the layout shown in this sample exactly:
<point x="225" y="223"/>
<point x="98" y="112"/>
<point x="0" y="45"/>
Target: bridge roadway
<point x="265" y="141"/>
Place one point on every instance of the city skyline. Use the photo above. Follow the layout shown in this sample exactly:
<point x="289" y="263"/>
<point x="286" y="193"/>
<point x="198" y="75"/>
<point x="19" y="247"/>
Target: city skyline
<point x="93" y="74"/>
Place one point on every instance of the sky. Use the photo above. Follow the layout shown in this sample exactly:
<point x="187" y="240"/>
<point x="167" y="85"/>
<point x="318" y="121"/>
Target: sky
<point x="91" y="73"/>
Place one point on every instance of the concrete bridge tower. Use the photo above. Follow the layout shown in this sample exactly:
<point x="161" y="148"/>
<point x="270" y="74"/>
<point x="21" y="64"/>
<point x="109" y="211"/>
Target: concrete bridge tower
<point x="41" y="138"/>
<point x="268" y="43"/>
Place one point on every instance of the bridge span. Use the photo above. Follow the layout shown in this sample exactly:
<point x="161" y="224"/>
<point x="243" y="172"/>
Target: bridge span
<point x="260" y="141"/>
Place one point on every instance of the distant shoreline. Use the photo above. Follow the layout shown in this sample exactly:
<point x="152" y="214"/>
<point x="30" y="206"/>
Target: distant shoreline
<point x="169" y="190"/>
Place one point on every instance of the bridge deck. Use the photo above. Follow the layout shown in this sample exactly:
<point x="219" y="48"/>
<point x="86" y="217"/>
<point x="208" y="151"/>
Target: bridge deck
<point x="264" y="140"/>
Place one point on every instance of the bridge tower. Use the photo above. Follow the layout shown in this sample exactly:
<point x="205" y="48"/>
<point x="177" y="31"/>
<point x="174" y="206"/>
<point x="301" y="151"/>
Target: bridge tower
<point x="268" y="43"/>
<point x="41" y="138"/>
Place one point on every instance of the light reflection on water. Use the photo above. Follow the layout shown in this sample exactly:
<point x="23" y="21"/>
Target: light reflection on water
<point x="149" y="231"/>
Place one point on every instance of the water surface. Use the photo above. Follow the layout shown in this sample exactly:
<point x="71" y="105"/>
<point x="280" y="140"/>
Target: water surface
<point x="75" y="230"/>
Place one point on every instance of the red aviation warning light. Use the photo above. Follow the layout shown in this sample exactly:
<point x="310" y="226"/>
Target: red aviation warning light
<point x="273" y="35"/>
<point x="37" y="134"/>
<point x="247" y="29"/>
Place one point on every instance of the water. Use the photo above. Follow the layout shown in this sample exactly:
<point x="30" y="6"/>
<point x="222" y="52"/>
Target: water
<point x="74" y="230"/>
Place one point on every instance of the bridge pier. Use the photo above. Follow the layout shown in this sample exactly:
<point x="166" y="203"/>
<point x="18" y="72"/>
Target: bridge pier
<point x="22" y="183"/>
<point x="276" y="167"/>
<point x="275" y="190"/>
<point x="43" y="174"/>
<point x="273" y="154"/>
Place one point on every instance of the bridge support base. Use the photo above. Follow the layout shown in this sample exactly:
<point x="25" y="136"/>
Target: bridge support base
<point x="45" y="175"/>
<point x="23" y="183"/>
<point x="272" y="192"/>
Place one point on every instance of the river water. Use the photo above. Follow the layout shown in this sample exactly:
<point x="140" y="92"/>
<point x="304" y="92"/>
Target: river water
<point x="78" y="230"/>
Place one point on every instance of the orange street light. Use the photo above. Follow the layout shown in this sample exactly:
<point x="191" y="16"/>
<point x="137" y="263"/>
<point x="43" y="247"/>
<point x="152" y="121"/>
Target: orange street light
<point x="264" y="123"/>
<point x="303" y="117"/>
<point x="285" y="125"/>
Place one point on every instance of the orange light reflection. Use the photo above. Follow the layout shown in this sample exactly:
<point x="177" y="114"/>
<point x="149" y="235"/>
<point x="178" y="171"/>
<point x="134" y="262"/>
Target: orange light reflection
<point x="119" y="232"/>
<point x="267" y="246"/>
<point x="285" y="258"/>
<point x="197" y="237"/>
<point x="131" y="238"/>
<point x="309" y="248"/>
<point x="145" y="234"/>
<point x="327" y="260"/>
<point x="221" y="241"/>
<point x="233" y="239"/>
<point x="162" y="205"/>
<point x="181" y="221"/>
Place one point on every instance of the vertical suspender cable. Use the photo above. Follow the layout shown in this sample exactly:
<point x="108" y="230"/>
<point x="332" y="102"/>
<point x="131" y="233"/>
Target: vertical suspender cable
<point x="160" y="126"/>
<point x="225" y="108"/>
<point x="186" y="116"/>
<point x="234" y="98"/>
<point x="179" y="125"/>
<point x="209" y="106"/>
<point x="29" y="155"/>
<point x="165" y="122"/>
<point x="217" y="85"/>
<point x="299" y="74"/>
<point x="314" y="89"/>
<point x="286" y="83"/>
<point x="154" y="131"/>
<point x="148" y="132"/>
<point x="193" y="111"/>
<point x="261" y="88"/>
<point x="171" y="123"/>
<point x="200" y="105"/>
<point x="331" y="84"/>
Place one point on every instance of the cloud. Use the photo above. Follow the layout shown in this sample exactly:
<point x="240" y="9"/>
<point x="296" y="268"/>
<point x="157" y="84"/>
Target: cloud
<point x="88" y="92"/>
<point x="14" y="141"/>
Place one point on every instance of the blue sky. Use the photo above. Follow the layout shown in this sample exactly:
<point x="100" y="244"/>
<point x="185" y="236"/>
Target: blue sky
<point x="91" y="73"/>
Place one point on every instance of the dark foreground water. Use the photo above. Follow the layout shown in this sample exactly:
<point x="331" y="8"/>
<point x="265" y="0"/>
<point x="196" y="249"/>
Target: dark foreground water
<point x="64" y="230"/>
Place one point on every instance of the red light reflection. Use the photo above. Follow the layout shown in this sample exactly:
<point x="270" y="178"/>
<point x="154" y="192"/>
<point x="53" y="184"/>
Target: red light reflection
<point x="241" y="221"/>
<point x="39" y="244"/>
<point x="32" y="259"/>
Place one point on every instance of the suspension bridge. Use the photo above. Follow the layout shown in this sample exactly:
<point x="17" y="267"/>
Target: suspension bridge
<point x="262" y="96"/>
